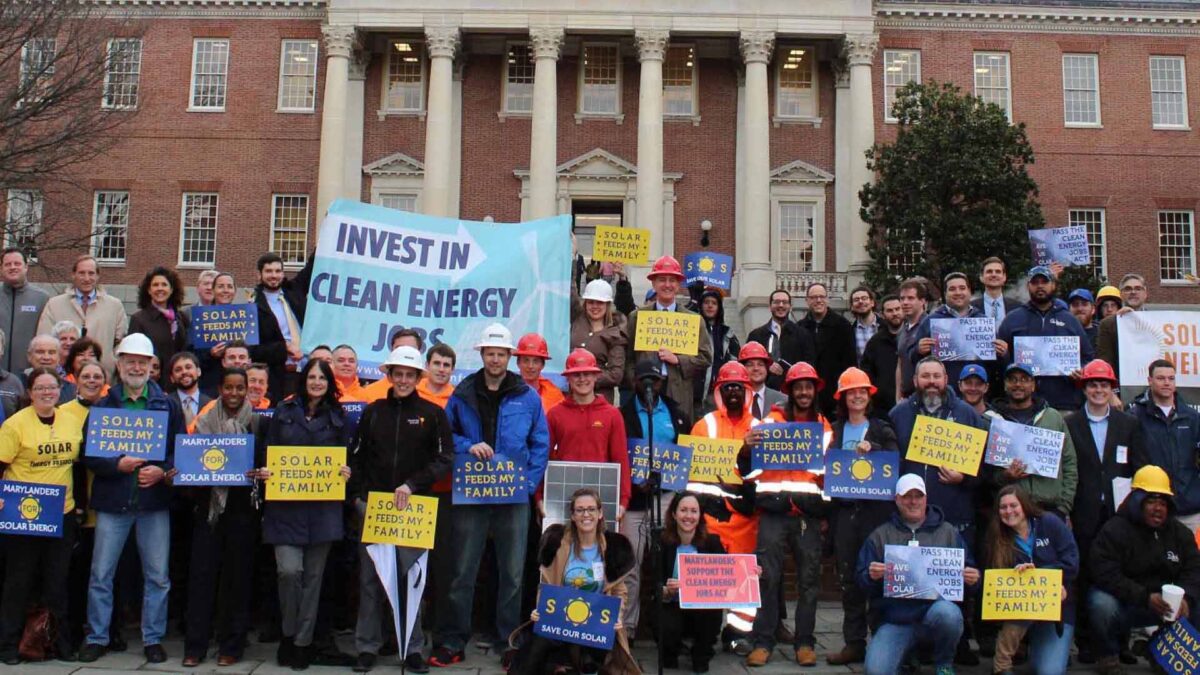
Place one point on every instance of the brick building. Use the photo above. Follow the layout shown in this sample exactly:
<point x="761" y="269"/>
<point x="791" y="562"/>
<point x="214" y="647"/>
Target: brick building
<point x="254" y="115"/>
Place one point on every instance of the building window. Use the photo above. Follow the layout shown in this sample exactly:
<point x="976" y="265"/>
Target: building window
<point x="122" y="73"/>
<point x="37" y="69"/>
<point x="679" y="81"/>
<point x="110" y="225"/>
<point x="1081" y="90"/>
<point x="405" y="90"/>
<point x="210" y="70"/>
<point x="298" y="75"/>
<point x="398" y="201"/>
<point x="900" y="66"/>
<point x="796" y="91"/>
<point x="24" y="222"/>
<point x="601" y="77"/>
<point x="198" y="229"/>
<point x="289" y="228"/>
<point x="992" y="83"/>
<point x="1093" y="220"/>
<point x="1168" y="94"/>
<point x="903" y="260"/>
<point x="796" y="236"/>
<point x="518" y="79"/>
<point x="1176" y="245"/>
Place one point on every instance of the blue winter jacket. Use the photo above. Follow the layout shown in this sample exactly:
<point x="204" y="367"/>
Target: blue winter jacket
<point x="1027" y="321"/>
<point x="304" y="523"/>
<point x="116" y="492"/>
<point x="1054" y="548"/>
<point x="957" y="502"/>
<point x="521" y="431"/>
<point x="953" y="368"/>
<point x="1173" y="445"/>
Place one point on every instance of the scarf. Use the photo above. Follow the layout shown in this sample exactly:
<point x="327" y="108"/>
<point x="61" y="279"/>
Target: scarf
<point x="218" y="421"/>
<point x="169" y="312"/>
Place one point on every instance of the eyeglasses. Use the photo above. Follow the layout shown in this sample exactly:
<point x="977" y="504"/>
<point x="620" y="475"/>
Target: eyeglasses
<point x="587" y="511"/>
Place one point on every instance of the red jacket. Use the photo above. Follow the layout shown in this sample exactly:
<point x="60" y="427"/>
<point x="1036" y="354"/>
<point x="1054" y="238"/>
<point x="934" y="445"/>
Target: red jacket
<point x="590" y="433"/>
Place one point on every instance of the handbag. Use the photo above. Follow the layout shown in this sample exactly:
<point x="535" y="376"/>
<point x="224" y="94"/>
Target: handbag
<point x="38" y="636"/>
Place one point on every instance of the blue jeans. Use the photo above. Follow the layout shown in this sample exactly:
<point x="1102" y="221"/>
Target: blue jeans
<point x="1111" y="620"/>
<point x="154" y="547"/>
<point x="508" y="525"/>
<point x="941" y="626"/>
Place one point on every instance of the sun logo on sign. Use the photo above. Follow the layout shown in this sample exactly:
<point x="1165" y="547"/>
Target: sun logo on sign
<point x="861" y="470"/>
<point x="213" y="459"/>
<point x="706" y="264"/>
<point x="578" y="611"/>
<point x="30" y="508"/>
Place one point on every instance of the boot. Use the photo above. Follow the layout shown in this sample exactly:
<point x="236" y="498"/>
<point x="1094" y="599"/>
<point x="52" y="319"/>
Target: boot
<point x="855" y="652"/>
<point x="283" y="654"/>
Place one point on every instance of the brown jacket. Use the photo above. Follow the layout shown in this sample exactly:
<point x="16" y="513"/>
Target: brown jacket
<point x="608" y="346"/>
<point x="679" y="385"/>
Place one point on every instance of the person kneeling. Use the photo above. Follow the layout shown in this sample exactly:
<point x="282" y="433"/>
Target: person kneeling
<point x="684" y="531"/>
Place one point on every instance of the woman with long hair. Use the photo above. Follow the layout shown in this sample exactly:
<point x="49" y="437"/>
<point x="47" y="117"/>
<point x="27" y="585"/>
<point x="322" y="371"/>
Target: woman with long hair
<point x="684" y="531"/>
<point x="160" y="295"/>
<point x="303" y="532"/>
<point x="1023" y="537"/>
<point x="599" y="328"/>
<point x="271" y="349"/>
<point x="724" y="343"/>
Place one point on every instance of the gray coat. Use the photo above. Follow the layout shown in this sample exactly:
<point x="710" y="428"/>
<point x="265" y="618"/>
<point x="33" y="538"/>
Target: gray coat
<point x="20" y="309"/>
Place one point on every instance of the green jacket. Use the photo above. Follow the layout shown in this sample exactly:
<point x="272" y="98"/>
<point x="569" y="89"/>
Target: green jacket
<point x="1053" y="493"/>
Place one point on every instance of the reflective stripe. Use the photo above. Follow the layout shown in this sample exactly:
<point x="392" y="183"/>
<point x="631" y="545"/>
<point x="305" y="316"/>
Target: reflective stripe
<point x="798" y="487"/>
<point x="741" y="619"/>
<point x="711" y="490"/>
<point x="710" y="421"/>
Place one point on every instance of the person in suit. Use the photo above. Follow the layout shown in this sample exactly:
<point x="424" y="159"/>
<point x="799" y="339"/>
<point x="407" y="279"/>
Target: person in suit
<point x="786" y="341"/>
<point x="754" y="356"/>
<point x="285" y="300"/>
<point x="183" y="371"/>
<point x="993" y="274"/>
<point x="834" y="337"/>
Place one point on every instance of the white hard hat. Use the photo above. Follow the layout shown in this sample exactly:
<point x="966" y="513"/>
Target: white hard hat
<point x="496" y="335"/>
<point x="909" y="482"/>
<point x="403" y="355"/>
<point x="598" y="290"/>
<point x="135" y="344"/>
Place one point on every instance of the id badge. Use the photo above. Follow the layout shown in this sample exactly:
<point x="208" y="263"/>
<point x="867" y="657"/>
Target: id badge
<point x="1122" y="454"/>
<point x="913" y="542"/>
<point x="598" y="571"/>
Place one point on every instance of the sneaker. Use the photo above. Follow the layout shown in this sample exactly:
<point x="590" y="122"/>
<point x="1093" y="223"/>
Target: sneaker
<point x="806" y="656"/>
<point x="364" y="663"/>
<point x="444" y="656"/>
<point x="155" y="653"/>
<point x="963" y="656"/>
<point x="91" y="652"/>
<point x="851" y="653"/>
<point x="758" y="657"/>
<point x="507" y="658"/>
<point x="415" y="663"/>
<point x="1109" y="665"/>
<point x="739" y="646"/>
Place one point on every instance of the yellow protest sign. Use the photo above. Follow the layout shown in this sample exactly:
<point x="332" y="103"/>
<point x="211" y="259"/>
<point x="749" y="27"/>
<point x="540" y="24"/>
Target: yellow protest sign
<point x="675" y="331"/>
<point x="713" y="458"/>
<point x="1031" y="595"/>
<point x="630" y="245"/>
<point x="946" y="444"/>
<point x="414" y="526"/>
<point x="306" y="473"/>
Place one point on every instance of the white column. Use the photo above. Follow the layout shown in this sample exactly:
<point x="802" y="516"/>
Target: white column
<point x="859" y="51"/>
<point x="652" y="47"/>
<point x="442" y="42"/>
<point x="331" y="172"/>
<point x="355" y="107"/>
<point x="546" y="44"/>
<point x="754" y="255"/>
<point x="845" y="195"/>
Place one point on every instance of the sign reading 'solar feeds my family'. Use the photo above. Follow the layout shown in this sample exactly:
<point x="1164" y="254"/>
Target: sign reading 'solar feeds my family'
<point x="672" y="462"/>
<point x="213" y="460"/>
<point x="214" y="324"/>
<point x="498" y="480"/>
<point x="630" y="245"/>
<point x="415" y="526"/>
<point x="789" y="446"/>
<point x="673" y="331"/>
<point x="1040" y="450"/>
<point x="946" y="444"/>
<point x="306" y="473"/>
<point x="1176" y="648"/>
<point x="923" y="572"/>
<point x="379" y="270"/>
<point x="1028" y="595"/>
<point x="714" y="460"/>
<point x="114" y="433"/>
<point x="32" y="509"/>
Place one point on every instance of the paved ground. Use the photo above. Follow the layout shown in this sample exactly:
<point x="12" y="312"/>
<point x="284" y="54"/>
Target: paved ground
<point x="260" y="660"/>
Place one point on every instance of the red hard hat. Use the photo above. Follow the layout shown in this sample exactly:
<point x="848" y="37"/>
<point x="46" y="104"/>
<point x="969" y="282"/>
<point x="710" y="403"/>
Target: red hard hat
<point x="581" y="361"/>
<point x="733" y="372"/>
<point x="753" y="350"/>
<point x="667" y="266"/>
<point x="803" y="371"/>
<point x="1098" y="369"/>
<point x="533" y="344"/>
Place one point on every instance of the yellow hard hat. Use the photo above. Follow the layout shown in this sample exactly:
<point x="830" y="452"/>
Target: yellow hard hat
<point x="1152" y="479"/>
<point x="1108" y="292"/>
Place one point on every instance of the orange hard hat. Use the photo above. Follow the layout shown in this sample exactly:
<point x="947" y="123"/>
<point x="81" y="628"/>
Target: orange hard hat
<point x="854" y="378"/>
<point x="733" y="372"/>
<point x="581" y="361"/>
<point x="532" y="344"/>
<point x="803" y="371"/>
<point x="1098" y="369"/>
<point x="666" y="266"/>
<point x="753" y="350"/>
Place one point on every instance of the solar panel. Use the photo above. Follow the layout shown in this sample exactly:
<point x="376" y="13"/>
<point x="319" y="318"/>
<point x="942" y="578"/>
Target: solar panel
<point x="564" y="478"/>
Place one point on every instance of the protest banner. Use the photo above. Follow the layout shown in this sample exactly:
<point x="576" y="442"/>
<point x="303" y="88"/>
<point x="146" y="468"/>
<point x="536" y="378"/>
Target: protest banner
<point x="575" y="616"/>
<point x="789" y="446"/>
<point x="214" y="460"/>
<point x="378" y="270"/>
<point x="674" y="331"/>
<point x="354" y="412"/>
<point x="306" y="473"/>
<point x="214" y="324"/>
<point x="413" y="527"/>
<point x="1048" y="356"/>
<point x="923" y="572"/>
<point x="1040" y="450"/>
<point x="672" y="462"/>
<point x="629" y="245"/>
<point x="964" y="339"/>
<point x="1146" y="336"/>
<point x="1176" y="648"/>
<point x="849" y="475"/>
<point x="112" y="433"/>
<point x="709" y="581"/>
<point x="498" y="480"/>
<point x="32" y="509"/>
<point x="714" y="270"/>
<point x="1030" y="595"/>
<point x="1066" y="245"/>
<point x="713" y="459"/>
<point x="946" y="444"/>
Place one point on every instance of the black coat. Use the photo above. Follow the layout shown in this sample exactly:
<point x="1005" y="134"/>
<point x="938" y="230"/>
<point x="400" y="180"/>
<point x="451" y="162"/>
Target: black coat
<point x="154" y="325"/>
<point x="304" y="523"/>
<point x="711" y="544"/>
<point x="796" y="344"/>
<point x="633" y="429"/>
<point x="400" y="441"/>
<point x="1094" y="494"/>
<point x="879" y="363"/>
<point x="834" y="337"/>
<point x="1129" y="560"/>
<point x="271" y="348"/>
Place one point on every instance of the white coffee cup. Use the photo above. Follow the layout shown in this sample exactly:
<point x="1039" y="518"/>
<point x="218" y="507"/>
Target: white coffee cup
<point x="1173" y="595"/>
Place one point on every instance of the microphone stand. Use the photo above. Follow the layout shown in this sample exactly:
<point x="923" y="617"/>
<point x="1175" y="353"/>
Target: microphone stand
<point x="649" y="400"/>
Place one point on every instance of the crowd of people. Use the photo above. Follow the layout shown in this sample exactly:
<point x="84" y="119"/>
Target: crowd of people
<point x="1120" y="519"/>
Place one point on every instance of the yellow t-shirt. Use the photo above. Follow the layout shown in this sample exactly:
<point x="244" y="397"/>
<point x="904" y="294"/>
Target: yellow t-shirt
<point x="41" y="453"/>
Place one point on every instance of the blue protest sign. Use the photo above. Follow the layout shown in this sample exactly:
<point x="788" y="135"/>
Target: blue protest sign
<point x="923" y="572"/>
<point x="671" y="461"/>
<point x="575" y="616"/>
<point x="714" y="270"/>
<point x="789" y="446"/>
<point x="498" y="480"/>
<point x="1040" y="450"/>
<point x="265" y="413"/>
<point x="216" y="460"/>
<point x="1065" y="245"/>
<point x="1174" y="647"/>
<point x="32" y="509"/>
<point x="214" y="324"/>
<point x="112" y="432"/>
<point x="849" y="475"/>
<point x="354" y="411"/>
<point x="1047" y="356"/>
<point x="379" y="270"/>
<point x="964" y="339"/>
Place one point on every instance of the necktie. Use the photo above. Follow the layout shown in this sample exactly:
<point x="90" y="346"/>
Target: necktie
<point x="293" y="325"/>
<point x="189" y="405"/>
<point x="996" y="310"/>
<point x="756" y="410"/>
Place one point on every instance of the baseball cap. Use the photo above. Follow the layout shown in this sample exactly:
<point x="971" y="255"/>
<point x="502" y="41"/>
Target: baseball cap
<point x="1081" y="294"/>
<point x="1041" y="271"/>
<point x="648" y="368"/>
<point x="1022" y="367"/>
<point x="909" y="482"/>
<point x="973" y="370"/>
